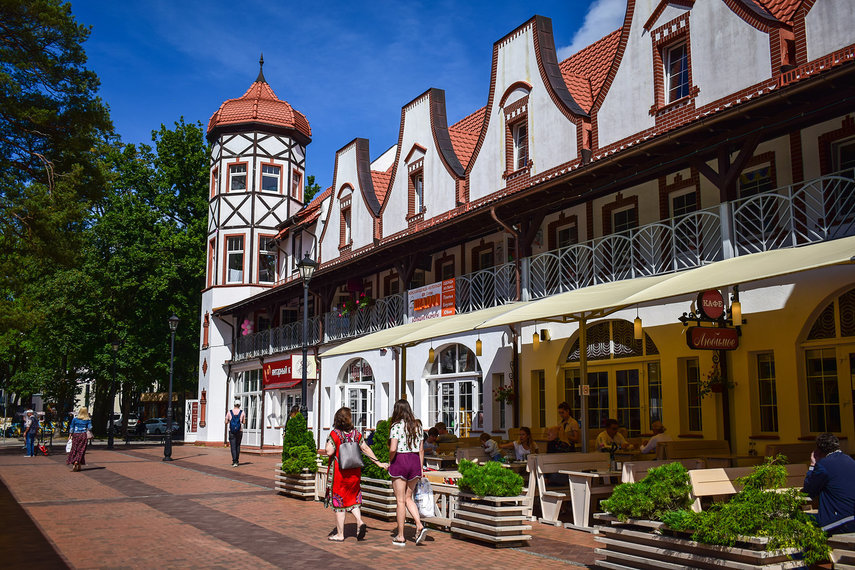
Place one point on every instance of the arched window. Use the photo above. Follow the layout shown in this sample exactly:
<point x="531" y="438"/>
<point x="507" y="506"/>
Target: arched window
<point x="829" y="356"/>
<point x="624" y="380"/>
<point x="456" y="390"/>
<point x="357" y="392"/>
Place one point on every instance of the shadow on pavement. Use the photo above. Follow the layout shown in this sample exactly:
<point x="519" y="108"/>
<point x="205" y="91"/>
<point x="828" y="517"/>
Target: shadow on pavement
<point x="22" y="544"/>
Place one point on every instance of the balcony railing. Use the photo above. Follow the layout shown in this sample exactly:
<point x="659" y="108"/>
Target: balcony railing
<point x="818" y="210"/>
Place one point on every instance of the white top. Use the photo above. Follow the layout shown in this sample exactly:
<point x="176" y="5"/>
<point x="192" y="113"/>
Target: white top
<point x="520" y="451"/>
<point x="397" y="432"/>
<point x="604" y="442"/>
<point x="491" y="448"/>
<point x="654" y="441"/>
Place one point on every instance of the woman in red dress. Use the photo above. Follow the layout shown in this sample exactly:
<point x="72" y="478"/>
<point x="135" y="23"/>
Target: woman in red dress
<point x="345" y="491"/>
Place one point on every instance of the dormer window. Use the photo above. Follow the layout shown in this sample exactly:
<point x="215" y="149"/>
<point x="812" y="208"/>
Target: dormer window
<point x="297" y="185"/>
<point x="520" y="131"/>
<point x="676" y="59"/>
<point x="419" y="191"/>
<point x="346" y="235"/>
<point x="237" y="177"/>
<point x="270" y="177"/>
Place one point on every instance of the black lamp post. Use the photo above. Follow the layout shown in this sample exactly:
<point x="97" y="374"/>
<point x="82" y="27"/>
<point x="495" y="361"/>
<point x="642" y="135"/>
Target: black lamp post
<point x="167" y="447"/>
<point x="111" y="427"/>
<point x="307" y="268"/>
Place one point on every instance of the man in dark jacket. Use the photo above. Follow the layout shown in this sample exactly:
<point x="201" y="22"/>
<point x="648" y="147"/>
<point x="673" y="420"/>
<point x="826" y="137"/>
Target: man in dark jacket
<point x="831" y="477"/>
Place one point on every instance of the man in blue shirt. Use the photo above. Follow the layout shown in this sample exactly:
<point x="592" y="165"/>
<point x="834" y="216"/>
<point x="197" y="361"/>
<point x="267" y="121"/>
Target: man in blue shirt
<point x="831" y="477"/>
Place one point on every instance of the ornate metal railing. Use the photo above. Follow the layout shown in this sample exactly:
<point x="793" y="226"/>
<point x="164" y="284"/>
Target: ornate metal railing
<point x="817" y="210"/>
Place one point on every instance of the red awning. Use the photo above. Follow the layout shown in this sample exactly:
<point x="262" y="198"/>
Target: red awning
<point x="283" y="385"/>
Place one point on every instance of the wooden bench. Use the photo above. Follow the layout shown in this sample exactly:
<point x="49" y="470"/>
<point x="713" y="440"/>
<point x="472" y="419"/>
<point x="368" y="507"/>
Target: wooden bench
<point x="721" y="481"/>
<point x="635" y="471"/>
<point x="797" y="452"/>
<point x="689" y="449"/>
<point x="842" y="550"/>
<point x="552" y="497"/>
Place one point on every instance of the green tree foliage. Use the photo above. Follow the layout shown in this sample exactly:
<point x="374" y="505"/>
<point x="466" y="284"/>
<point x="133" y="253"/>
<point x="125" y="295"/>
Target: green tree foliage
<point x="380" y="447"/>
<point x="311" y="189"/>
<point x="298" y="458"/>
<point x="761" y="508"/>
<point x="489" y="479"/>
<point x="665" y="489"/>
<point x="296" y="435"/>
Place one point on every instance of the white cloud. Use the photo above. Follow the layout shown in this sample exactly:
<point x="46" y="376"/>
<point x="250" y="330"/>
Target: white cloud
<point x="603" y="17"/>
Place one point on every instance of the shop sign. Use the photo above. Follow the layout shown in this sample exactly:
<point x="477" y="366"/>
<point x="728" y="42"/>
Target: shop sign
<point x="277" y="371"/>
<point x="709" y="338"/>
<point x="431" y="301"/>
<point x="311" y="367"/>
<point x="711" y="304"/>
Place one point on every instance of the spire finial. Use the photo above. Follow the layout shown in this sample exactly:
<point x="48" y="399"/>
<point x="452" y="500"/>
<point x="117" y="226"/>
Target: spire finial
<point x="260" y="77"/>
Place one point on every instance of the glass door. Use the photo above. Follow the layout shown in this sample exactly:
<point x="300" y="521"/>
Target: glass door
<point x="628" y="396"/>
<point x="455" y="405"/>
<point x="360" y="401"/>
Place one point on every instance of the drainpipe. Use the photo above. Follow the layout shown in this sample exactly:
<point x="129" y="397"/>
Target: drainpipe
<point x="261" y="441"/>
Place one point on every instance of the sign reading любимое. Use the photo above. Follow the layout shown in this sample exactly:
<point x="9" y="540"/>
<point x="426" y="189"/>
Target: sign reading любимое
<point x="709" y="338"/>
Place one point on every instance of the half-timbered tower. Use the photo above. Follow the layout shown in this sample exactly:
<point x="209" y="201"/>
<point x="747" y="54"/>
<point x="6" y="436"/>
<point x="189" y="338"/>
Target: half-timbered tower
<point x="258" y="160"/>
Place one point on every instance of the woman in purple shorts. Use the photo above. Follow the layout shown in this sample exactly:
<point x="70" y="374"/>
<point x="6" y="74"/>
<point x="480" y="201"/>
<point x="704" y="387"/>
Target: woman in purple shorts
<point x="406" y="457"/>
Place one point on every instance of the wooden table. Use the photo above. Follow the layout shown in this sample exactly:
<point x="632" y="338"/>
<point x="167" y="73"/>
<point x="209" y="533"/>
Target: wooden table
<point x="516" y="466"/>
<point x="440" y="461"/>
<point x="583" y="486"/>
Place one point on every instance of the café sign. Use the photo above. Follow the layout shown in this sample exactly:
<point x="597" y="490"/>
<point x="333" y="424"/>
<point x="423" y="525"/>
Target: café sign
<point x="709" y="338"/>
<point x="711" y="304"/>
<point x="431" y="301"/>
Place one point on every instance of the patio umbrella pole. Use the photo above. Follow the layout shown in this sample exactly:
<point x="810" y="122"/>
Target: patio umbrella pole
<point x="583" y="379"/>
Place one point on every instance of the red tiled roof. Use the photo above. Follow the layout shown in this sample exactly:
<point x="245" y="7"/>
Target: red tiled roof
<point x="260" y="105"/>
<point x="464" y="135"/>
<point x="381" y="183"/>
<point x="783" y="10"/>
<point x="585" y="71"/>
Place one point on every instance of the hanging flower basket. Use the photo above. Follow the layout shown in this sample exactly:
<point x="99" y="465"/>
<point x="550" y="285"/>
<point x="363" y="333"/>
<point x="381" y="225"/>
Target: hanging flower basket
<point x="362" y="303"/>
<point x="504" y="394"/>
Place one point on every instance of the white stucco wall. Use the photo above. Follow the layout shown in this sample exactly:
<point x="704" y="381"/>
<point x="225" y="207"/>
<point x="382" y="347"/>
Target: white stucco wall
<point x="829" y="26"/>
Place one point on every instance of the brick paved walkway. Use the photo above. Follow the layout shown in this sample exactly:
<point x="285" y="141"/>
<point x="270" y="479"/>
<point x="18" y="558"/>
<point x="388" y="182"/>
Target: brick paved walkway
<point x="128" y="509"/>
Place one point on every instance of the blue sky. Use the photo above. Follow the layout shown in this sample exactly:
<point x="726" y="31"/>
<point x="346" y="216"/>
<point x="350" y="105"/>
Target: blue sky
<point x="349" y="67"/>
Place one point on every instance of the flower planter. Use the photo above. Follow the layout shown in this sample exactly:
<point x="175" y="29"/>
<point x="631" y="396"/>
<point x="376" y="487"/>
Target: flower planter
<point x="499" y="521"/>
<point x="301" y="486"/>
<point x="651" y="544"/>
<point x="378" y="499"/>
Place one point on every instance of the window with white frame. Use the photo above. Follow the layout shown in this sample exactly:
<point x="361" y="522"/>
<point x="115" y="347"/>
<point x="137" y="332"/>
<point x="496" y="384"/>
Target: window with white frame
<point x="685" y="203"/>
<point x="237" y="177"/>
<point x="419" y="192"/>
<point x="520" y="133"/>
<point x="357" y="393"/>
<point x="624" y="220"/>
<point x="346" y="235"/>
<point x="234" y="262"/>
<point x="456" y="390"/>
<point x="246" y="387"/>
<point x="266" y="259"/>
<point x="567" y="235"/>
<point x="767" y="399"/>
<point x="755" y="181"/>
<point x="270" y="177"/>
<point x="676" y="58"/>
<point x="297" y="185"/>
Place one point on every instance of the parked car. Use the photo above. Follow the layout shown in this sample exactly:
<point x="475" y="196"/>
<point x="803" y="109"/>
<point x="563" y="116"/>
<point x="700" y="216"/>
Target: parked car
<point x="133" y="419"/>
<point x="157" y="426"/>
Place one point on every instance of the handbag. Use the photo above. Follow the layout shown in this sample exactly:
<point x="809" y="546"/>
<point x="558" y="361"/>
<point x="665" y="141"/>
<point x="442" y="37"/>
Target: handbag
<point x="89" y="434"/>
<point x="349" y="455"/>
<point x="423" y="497"/>
<point x="68" y="446"/>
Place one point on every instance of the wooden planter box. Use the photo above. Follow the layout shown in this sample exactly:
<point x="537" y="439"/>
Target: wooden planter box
<point x="637" y="544"/>
<point x="301" y="486"/>
<point x="500" y="521"/>
<point x="842" y="550"/>
<point x="378" y="500"/>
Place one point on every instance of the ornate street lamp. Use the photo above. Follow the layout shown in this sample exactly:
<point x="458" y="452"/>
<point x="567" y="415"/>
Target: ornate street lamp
<point x="167" y="447"/>
<point x="307" y="268"/>
<point x="111" y="427"/>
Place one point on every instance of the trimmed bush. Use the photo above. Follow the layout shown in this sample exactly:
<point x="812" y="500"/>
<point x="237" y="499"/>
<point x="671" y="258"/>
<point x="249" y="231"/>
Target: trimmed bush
<point x="299" y="458"/>
<point x="665" y="489"/>
<point x="490" y="479"/>
<point x="380" y="446"/>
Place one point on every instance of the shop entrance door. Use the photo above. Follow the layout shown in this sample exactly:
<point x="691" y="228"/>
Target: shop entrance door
<point x="628" y="399"/>
<point x="455" y="405"/>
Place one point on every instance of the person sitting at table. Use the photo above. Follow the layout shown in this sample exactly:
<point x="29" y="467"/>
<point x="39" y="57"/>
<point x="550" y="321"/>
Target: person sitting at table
<point x="430" y="445"/>
<point x="554" y="443"/>
<point x="611" y="436"/>
<point x="659" y="434"/>
<point x="523" y="447"/>
<point x="568" y="427"/>
<point x="830" y="477"/>
<point x="444" y="436"/>
<point x="491" y="448"/>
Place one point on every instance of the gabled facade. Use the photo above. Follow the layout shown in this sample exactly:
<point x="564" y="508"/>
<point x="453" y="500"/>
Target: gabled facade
<point x="697" y="133"/>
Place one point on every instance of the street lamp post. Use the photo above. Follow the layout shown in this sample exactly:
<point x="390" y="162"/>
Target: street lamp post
<point x="111" y="427"/>
<point x="307" y="268"/>
<point x="167" y="447"/>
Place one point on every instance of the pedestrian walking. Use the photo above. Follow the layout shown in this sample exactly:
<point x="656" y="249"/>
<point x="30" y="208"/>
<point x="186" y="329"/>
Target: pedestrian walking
<point x="344" y="493"/>
<point x="31" y="429"/>
<point x="80" y="432"/>
<point x="236" y="420"/>
<point x="406" y="458"/>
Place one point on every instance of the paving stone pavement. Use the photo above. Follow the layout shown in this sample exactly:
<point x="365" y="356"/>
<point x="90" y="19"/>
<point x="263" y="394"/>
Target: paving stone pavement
<point x="129" y="509"/>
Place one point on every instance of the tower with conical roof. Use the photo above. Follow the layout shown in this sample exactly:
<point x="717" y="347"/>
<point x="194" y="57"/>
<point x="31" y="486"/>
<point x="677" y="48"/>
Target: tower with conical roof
<point x="258" y="160"/>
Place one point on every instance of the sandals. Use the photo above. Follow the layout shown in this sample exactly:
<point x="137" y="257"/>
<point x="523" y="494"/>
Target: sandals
<point x="397" y="542"/>
<point x="335" y="539"/>
<point x="421" y="535"/>
<point x="360" y="533"/>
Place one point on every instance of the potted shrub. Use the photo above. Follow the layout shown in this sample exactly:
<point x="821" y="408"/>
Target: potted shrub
<point x="759" y="526"/>
<point x="378" y="500"/>
<point x="490" y="506"/>
<point x="296" y="476"/>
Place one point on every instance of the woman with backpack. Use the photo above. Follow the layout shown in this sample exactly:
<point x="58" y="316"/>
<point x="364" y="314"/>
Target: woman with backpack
<point x="79" y="431"/>
<point x="235" y="419"/>
<point x="344" y="445"/>
<point x="406" y="457"/>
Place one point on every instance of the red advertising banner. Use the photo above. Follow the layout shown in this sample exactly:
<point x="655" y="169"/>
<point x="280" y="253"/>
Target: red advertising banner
<point x="277" y="374"/>
<point x="709" y="338"/>
<point x="194" y="416"/>
<point x="448" y="298"/>
<point x="431" y="301"/>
